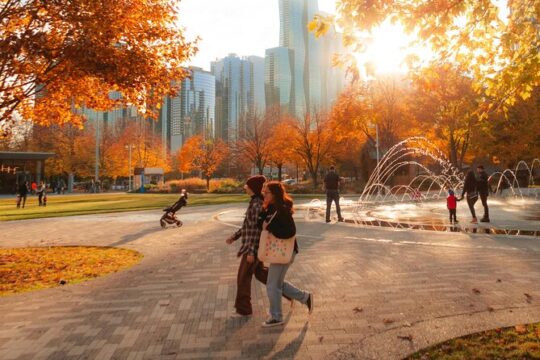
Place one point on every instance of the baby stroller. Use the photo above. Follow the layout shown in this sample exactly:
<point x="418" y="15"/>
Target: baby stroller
<point x="170" y="212"/>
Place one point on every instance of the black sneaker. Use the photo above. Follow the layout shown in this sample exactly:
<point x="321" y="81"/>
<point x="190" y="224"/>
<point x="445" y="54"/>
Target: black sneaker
<point x="486" y="220"/>
<point x="309" y="303"/>
<point x="341" y="220"/>
<point x="272" y="323"/>
<point x="327" y="221"/>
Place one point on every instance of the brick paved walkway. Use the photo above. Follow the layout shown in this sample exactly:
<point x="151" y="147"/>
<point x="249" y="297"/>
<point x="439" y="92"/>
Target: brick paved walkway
<point x="371" y="286"/>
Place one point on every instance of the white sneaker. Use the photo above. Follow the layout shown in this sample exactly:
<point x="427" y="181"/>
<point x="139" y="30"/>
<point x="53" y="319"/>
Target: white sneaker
<point x="271" y="323"/>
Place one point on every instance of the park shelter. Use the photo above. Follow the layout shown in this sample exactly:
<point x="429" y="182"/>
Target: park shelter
<point x="148" y="176"/>
<point x="16" y="167"/>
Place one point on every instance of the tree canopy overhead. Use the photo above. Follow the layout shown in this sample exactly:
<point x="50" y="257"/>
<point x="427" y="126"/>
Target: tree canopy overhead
<point x="55" y="54"/>
<point x="497" y="42"/>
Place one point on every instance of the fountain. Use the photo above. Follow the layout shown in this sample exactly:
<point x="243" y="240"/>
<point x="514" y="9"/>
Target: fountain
<point x="420" y="203"/>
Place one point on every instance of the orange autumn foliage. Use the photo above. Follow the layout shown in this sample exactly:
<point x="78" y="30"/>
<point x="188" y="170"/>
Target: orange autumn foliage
<point x="65" y="54"/>
<point x="146" y="150"/>
<point x="204" y="155"/>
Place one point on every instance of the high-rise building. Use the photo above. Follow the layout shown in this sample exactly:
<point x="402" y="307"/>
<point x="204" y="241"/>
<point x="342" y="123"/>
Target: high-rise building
<point x="293" y="34"/>
<point x="257" y="100"/>
<point x="239" y="93"/>
<point x="192" y="112"/>
<point x="279" y="79"/>
<point x="314" y="78"/>
<point x="333" y="78"/>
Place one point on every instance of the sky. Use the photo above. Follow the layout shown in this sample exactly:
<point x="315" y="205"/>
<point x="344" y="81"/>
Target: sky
<point x="243" y="27"/>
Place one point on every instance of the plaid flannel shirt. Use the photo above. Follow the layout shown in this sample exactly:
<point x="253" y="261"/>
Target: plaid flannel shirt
<point x="250" y="232"/>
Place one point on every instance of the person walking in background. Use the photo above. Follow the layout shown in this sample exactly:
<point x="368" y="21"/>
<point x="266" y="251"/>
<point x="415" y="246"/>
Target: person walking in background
<point x="41" y="192"/>
<point x="277" y="218"/>
<point x="451" y="204"/>
<point x="250" y="234"/>
<point x="62" y="186"/>
<point x="34" y="188"/>
<point x="483" y="191"/>
<point x="470" y="189"/>
<point x="331" y="186"/>
<point x="22" y="193"/>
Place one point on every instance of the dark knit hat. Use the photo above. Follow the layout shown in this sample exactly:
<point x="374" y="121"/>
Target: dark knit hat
<point x="255" y="183"/>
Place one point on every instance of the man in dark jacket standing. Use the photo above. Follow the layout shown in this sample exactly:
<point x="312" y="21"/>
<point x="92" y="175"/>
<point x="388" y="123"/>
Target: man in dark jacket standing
<point x="22" y="194"/>
<point x="483" y="190"/>
<point x="331" y="185"/>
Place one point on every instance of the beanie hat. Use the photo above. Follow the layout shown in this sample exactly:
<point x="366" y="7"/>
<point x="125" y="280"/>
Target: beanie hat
<point x="255" y="183"/>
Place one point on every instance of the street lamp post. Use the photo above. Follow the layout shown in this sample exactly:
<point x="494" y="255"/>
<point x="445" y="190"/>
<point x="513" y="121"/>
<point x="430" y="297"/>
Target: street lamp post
<point x="129" y="166"/>
<point x="376" y="126"/>
<point x="96" y="174"/>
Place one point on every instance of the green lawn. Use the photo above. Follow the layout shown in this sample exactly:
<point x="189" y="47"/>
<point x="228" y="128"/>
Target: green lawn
<point x="71" y="205"/>
<point x="517" y="342"/>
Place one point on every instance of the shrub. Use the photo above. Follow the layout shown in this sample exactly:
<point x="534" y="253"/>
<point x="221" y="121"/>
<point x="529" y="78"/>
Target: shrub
<point x="197" y="185"/>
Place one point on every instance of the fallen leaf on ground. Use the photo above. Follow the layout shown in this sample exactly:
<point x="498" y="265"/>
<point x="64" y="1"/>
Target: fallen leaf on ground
<point x="529" y="298"/>
<point x="521" y="329"/>
<point x="476" y="291"/>
<point x="321" y="338"/>
<point x="358" y="310"/>
<point x="499" y="280"/>
<point x="490" y="309"/>
<point x="405" y="337"/>
<point x="388" y="321"/>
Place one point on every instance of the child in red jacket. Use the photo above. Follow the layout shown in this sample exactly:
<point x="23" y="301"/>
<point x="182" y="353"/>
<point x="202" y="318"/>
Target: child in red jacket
<point x="451" y="204"/>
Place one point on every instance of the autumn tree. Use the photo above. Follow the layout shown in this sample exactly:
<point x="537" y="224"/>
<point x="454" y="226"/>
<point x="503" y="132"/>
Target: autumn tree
<point x="146" y="150"/>
<point x="498" y="42"/>
<point x="211" y="155"/>
<point x="205" y="155"/>
<point x="185" y="157"/>
<point x="254" y="144"/>
<point x="280" y="150"/>
<point x="381" y="102"/>
<point x="446" y="108"/>
<point x="72" y="146"/>
<point x="59" y="55"/>
<point x="312" y="141"/>
<point x="509" y="139"/>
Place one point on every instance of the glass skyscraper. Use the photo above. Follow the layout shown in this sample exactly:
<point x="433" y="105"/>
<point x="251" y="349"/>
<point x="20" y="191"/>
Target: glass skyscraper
<point x="239" y="93"/>
<point x="279" y="79"/>
<point x="192" y="112"/>
<point x="294" y="18"/>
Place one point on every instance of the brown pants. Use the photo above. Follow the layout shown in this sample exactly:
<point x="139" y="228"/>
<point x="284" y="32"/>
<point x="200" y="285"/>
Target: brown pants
<point x="243" y="281"/>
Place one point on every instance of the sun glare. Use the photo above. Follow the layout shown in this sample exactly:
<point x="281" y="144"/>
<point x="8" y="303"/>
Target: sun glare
<point x="386" y="50"/>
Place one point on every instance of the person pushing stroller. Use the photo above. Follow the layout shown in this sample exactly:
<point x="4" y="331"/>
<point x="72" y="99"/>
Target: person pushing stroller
<point x="170" y="212"/>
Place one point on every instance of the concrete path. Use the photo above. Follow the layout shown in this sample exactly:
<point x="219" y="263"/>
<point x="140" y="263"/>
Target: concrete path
<point x="373" y="289"/>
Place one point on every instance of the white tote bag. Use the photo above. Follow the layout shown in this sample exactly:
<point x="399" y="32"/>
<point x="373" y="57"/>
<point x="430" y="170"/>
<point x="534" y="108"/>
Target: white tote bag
<point x="273" y="250"/>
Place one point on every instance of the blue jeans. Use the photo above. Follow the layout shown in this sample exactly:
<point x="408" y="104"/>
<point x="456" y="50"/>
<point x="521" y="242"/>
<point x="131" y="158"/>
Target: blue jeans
<point x="276" y="286"/>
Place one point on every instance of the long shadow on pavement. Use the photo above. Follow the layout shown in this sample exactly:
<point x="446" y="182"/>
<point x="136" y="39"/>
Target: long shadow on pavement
<point x="289" y="351"/>
<point x="136" y="236"/>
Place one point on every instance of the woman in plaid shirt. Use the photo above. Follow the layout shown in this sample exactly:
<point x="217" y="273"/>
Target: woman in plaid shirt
<point x="250" y="235"/>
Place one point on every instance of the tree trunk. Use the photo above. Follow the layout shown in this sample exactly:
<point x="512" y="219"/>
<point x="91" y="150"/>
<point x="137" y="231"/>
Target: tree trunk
<point x="207" y="184"/>
<point x="315" y="178"/>
<point x="279" y="169"/>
